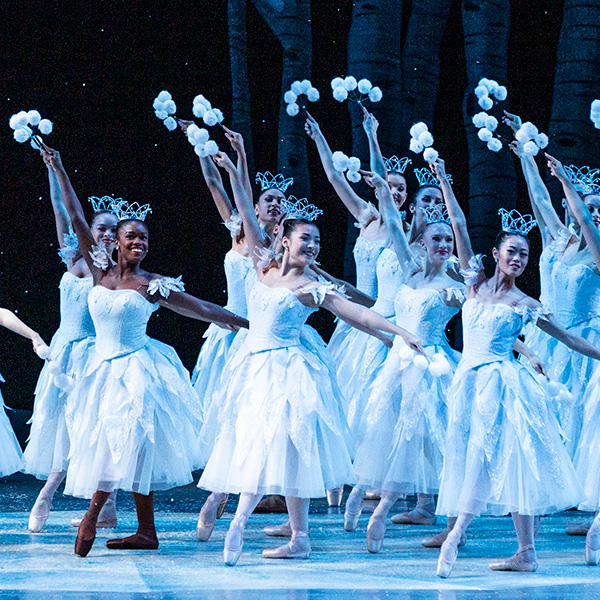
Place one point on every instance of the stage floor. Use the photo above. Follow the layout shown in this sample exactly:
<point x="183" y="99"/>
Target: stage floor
<point x="43" y="565"/>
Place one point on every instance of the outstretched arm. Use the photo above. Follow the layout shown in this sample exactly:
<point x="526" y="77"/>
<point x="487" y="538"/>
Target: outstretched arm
<point x="578" y="208"/>
<point x="352" y="201"/>
<point x="370" y="125"/>
<point x="9" y="320"/>
<point x="73" y="206"/>
<point x="573" y="341"/>
<point x="352" y="292"/>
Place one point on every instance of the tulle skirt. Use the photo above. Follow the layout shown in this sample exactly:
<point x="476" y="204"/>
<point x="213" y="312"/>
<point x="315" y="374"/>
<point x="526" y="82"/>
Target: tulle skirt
<point x="11" y="457"/>
<point x="206" y="376"/>
<point x="504" y="451"/>
<point x="134" y="425"/>
<point x="400" y="445"/>
<point x="48" y="446"/>
<point x="281" y="427"/>
<point x="337" y="340"/>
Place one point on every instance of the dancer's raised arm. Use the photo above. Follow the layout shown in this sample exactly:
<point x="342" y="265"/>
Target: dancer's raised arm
<point x="588" y="229"/>
<point x="370" y="125"/>
<point x="352" y="201"/>
<point x="61" y="215"/>
<point x="237" y="143"/>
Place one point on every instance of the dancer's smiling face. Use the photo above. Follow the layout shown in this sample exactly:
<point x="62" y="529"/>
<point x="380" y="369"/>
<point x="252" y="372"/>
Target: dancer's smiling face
<point x="302" y="241"/>
<point x="268" y="207"/>
<point x="438" y="241"/>
<point x="512" y="254"/>
<point x="132" y="240"/>
<point x="397" y="185"/>
<point x="104" y="229"/>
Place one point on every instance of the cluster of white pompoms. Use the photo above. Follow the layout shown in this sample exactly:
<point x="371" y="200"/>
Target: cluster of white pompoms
<point x="487" y="88"/>
<point x="203" y="109"/>
<point x="421" y="140"/>
<point x="595" y="113"/>
<point x="361" y="90"/>
<point x="531" y="138"/>
<point x="487" y="124"/>
<point x="556" y="390"/>
<point x="164" y="107"/>
<point x="199" y="138"/>
<point x="22" y="124"/>
<point x="347" y="164"/>
<point x="43" y="351"/>
<point x="61" y="380"/>
<point x="438" y="365"/>
<point x="299" y="88"/>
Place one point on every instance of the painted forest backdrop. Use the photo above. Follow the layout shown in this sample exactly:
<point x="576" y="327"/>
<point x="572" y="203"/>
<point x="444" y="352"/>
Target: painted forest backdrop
<point x="94" y="69"/>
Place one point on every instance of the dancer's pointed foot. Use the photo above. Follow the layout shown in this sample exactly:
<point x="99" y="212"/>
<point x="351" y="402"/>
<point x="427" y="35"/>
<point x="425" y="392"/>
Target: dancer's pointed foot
<point x="39" y="513"/>
<point x="298" y="547"/>
<point x="523" y="561"/>
<point x="592" y="546"/>
<point x="222" y="506"/>
<point x="580" y="528"/>
<point x="144" y="539"/>
<point x="418" y="516"/>
<point x="375" y="534"/>
<point x="208" y="517"/>
<point x="86" y="535"/>
<point x="448" y="555"/>
<point x="283" y="530"/>
<point x="436" y="541"/>
<point x="234" y="540"/>
<point x="334" y="497"/>
<point x="351" y="519"/>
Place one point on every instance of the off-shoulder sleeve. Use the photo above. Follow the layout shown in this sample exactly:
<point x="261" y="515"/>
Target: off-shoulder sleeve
<point x="234" y="224"/>
<point x="452" y="293"/>
<point x="100" y="257"/>
<point x="471" y="275"/>
<point x="320" y="289"/>
<point x="165" y="285"/>
<point x="531" y="315"/>
<point x="70" y="247"/>
<point x="266" y="256"/>
<point x="368" y="214"/>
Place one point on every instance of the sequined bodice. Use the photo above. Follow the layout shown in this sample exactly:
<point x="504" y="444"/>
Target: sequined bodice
<point x="240" y="275"/>
<point x="75" y="319"/>
<point x="276" y="318"/>
<point x="576" y="293"/>
<point x="490" y="330"/>
<point x="120" y="318"/>
<point x="366" y="252"/>
<point x="389" y="278"/>
<point x="424" y="312"/>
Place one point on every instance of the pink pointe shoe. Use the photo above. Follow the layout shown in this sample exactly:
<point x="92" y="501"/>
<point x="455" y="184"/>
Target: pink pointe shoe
<point x="418" y="516"/>
<point x="283" y="530"/>
<point x="375" y="534"/>
<point x="448" y="555"/>
<point x="209" y="513"/>
<point x="39" y="514"/>
<point x="592" y="547"/>
<point x="297" y="548"/>
<point x="234" y="540"/>
<point x="524" y="561"/>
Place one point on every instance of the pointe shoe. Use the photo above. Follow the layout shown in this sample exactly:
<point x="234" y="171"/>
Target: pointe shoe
<point x="436" y="541"/>
<point x="207" y="518"/>
<point x="592" y="547"/>
<point x="334" y="497"/>
<point x="375" y="534"/>
<point x="83" y="546"/>
<point x="297" y="548"/>
<point x="523" y="561"/>
<point x="39" y="514"/>
<point x="231" y="553"/>
<point x="418" y="516"/>
<point x="580" y="528"/>
<point x="283" y="530"/>
<point x="222" y="506"/>
<point x="447" y="558"/>
<point x="351" y="520"/>
<point x="142" y="540"/>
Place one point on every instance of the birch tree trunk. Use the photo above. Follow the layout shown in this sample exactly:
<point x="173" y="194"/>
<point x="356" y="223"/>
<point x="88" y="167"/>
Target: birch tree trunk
<point x="492" y="179"/>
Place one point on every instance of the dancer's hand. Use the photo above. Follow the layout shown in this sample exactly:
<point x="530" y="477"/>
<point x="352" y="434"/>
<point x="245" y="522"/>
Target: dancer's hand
<point x="222" y="160"/>
<point x="52" y="157"/>
<point x="372" y="179"/>
<point x="311" y="127"/>
<point x="438" y="168"/>
<point x="537" y="365"/>
<point x="556" y="168"/>
<point x="40" y="347"/>
<point x="370" y="123"/>
<point x="412" y="341"/>
<point x="183" y="125"/>
<point x="517" y="148"/>
<point x="235" y="139"/>
<point x="513" y="121"/>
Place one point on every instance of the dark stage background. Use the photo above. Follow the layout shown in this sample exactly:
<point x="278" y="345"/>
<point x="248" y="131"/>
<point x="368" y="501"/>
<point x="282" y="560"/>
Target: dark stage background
<point x="94" y="69"/>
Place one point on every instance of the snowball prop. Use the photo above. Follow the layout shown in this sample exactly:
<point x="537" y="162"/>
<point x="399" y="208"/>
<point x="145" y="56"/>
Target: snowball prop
<point x="487" y="90"/>
<point x="347" y="164"/>
<point x="164" y="107"/>
<point x="437" y="365"/>
<point x="595" y="113"/>
<point x="356" y="91"/>
<point x="300" y="88"/>
<point x="421" y="140"/>
<point x="204" y="110"/>
<point x="24" y="124"/>
<point x="43" y="351"/>
<point x="199" y="138"/>
<point x="533" y="141"/>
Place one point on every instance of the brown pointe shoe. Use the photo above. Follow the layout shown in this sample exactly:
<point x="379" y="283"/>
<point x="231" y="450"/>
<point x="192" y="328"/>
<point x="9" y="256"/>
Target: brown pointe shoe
<point x="83" y="543"/>
<point x="142" y="540"/>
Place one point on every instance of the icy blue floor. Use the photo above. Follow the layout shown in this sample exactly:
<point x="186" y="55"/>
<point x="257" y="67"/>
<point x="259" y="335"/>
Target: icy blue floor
<point x="43" y="565"/>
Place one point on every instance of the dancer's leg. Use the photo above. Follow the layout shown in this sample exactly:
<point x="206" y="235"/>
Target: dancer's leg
<point x="87" y="528"/>
<point x="437" y="540"/>
<point x="592" y="542"/>
<point x="299" y="545"/>
<point x="145" y="536"/>
<point x="234" y="540"/>
<point x="376" y="527"/>
<point x="43" y="504"/>
<point x="107" y="519"/>
<point x="209" y="513"/>
<point x="353" y="509"/>
<point x="449" y="550"/>
<point x="525" y="558"/>
<point x="422" y="514"/>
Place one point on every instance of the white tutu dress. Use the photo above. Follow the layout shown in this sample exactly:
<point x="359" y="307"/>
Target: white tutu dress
<point x="11" y="457"/>
<point x="401" y="436"/>
<point x="366" y="252"/>
<point x="362" y="355"/>
<point x="48" y="447"/>
<point x="281" y="426"/>
<point x="137" y="415"/>
<point x="240" y="275"/>
<point x="504" y="451"/>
